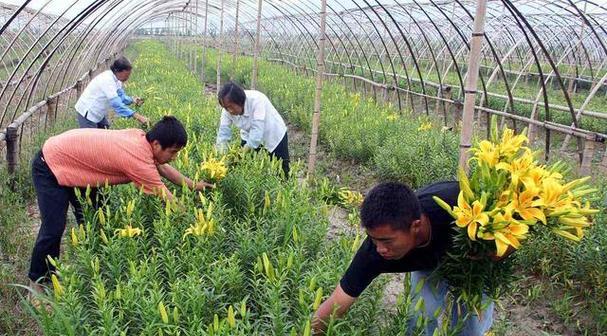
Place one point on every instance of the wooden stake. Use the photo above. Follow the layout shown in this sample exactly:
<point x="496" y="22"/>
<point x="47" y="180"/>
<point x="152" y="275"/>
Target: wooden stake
<point x="587" y="156"/>
<point x="204" y="44"/>
<point x="219" y="48"/>
<point x="237" y="38"/>
<point x="471" y="81"/>
<point x="320" y="69"/>
<point x="12" y="148"/>
<point x="256" y="52"/>
<point x="51" y="110"/>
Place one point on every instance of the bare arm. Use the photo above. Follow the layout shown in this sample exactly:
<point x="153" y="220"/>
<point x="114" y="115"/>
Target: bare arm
<point x="339" y="301"/>
<point x="179" y="179"/>
<point x="141" y="118"/>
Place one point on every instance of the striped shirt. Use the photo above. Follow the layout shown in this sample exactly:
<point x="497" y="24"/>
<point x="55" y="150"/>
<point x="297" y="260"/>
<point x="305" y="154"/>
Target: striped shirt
<point x="93" y="157"/>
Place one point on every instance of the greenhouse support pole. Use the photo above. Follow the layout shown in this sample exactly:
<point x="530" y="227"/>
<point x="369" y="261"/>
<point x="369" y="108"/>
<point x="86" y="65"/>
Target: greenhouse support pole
<point x="195" y="39"/>
<point x="12" y="148"/>
<point x="256" y="52"/>
<point x="587" y="156"/>
<point x="220" y="45"/>
<point x="570" y="87"/>
<point x="204" y="44"/>
<point x="79" y="88"/>
<point x="320" y="69"/>
<point x="190" y="35"/>
<point x="237" y="39"/>
<point x="51" y="109"/>
<point x="471" y="81"/>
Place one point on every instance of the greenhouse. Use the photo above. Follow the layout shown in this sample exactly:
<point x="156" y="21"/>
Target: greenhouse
<point x="386" y="167"/>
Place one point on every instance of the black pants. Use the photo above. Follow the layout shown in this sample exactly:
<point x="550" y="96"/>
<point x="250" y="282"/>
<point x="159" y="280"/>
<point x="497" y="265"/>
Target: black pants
<point x="281" y="151"/>
<point x="83" y="122"/>
<point x="53" y="202"/>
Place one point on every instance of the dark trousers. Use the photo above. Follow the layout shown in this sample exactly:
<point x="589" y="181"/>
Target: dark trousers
<point x="281" y="151"/>
<point x="83" y="122"/>
<point x="53" y="202"/>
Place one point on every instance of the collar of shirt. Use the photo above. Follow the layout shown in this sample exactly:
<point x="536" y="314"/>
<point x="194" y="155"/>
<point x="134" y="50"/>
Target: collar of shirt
<point x="118" y="82"/>
<point x="247" y="108"/>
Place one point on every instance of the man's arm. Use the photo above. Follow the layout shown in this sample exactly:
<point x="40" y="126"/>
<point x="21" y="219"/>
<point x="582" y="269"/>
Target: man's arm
<point x="124" y="111"/>
<point x="124" y="97"/>
<point x="339" y="301"/>
<point x="179" y="179"/>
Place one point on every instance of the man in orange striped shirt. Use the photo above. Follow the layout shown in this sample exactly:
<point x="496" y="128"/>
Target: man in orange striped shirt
<point x="83" y="158"/>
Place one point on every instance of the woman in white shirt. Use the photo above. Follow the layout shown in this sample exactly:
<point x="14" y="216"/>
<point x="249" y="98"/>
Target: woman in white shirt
<point x="259" y="122"/>
<point x="105" y="91"/>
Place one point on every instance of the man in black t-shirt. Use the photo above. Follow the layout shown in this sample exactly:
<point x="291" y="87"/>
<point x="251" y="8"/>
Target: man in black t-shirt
<point x="406" y="232"/>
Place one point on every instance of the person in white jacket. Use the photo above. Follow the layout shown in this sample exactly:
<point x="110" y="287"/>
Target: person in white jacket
<point x="105" y="91"/>
<point x="259" y="122"/>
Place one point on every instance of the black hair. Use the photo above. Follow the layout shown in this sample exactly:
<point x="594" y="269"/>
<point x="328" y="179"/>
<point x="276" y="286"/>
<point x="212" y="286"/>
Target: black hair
<point x="121" y="64"/>
<point x="233" y="92"/>
<point x="390" y="203"/>
<point x="169" y="132"/>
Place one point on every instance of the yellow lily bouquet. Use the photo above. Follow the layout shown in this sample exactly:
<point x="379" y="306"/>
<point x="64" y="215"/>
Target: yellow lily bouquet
<point x="508" y="197"/>
<point x="214" y="169"/>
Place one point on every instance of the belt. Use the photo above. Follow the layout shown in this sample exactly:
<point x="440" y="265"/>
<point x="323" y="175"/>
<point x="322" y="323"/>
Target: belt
<point x="42" y="156"/>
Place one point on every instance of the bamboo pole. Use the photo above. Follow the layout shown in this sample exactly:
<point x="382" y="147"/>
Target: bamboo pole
<point x="570" y="89"/>
<point x="204" y="44"/>
<point x="194" y="34"/>
<point x="51" y="110"/>
<point x="257" y="43"/>
<point x="319" y="77"/>
<point x="236" y="37"/>
<point x="471" y="81"/>
<point x="12" y="148"/>
<point x="587" y="156"/>
<point x="220" y="45"/>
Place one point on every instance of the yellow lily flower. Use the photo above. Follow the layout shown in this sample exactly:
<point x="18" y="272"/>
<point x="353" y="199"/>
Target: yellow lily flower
<point x="469" y="216"/>
<point x="487" y="152"/>
<point x="57" y="288"/>
<point x="574" y="221"/>
<point x="523" y="204"/>
<point x="509" y="233"/>
<point x="128" y="232"/>
<point x="533" y="179"/>
<point x="568" y="235"/>
<point x="231" y="317"/>
<point x="351" y="198"/>
<point x="426" y="126"/>
<point x="551" y="193"/>
<point x="511" y="143"/>
<point x="517" y="168"/>
<point x="203" y="225"/>
<point x="216" y="168"/>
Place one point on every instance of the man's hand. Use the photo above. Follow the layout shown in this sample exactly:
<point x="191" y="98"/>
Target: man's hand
<point x="508" y="252"/>
<point x="138" y="101"/>
<point x="493" y="256"/>
<point x="202" y="185"/>
<point x="339" y="302"/>
<point x="142" y="119"/>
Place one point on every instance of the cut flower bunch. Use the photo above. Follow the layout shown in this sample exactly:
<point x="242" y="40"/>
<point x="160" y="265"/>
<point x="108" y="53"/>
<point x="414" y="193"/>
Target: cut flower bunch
<point x="507" y="199"/>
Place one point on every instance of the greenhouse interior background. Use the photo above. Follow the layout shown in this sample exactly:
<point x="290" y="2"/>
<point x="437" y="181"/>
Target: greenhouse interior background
<point x="371" y="91"/>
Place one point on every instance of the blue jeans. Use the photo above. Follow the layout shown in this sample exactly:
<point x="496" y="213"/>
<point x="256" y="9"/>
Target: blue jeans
<point x="434" y="297"/>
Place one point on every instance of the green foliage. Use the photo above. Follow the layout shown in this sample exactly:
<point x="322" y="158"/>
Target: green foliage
<point x="257" y="273"/>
